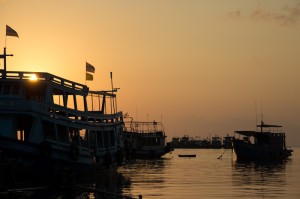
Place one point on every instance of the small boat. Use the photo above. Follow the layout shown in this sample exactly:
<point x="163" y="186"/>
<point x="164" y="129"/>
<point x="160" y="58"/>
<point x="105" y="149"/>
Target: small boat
<point x="48" y="122"/>
<point x="145" y="139"/>
<point x="187" y="155"/>
<point x="267" y="144"/>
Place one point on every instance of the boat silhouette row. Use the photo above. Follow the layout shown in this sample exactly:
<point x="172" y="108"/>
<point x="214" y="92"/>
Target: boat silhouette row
<point x="47" y="122"/>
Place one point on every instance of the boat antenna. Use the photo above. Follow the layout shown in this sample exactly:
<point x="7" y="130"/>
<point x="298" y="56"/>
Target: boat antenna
<point x="262" y="116"/>
<point x="4" y="60"/>
<point x="262" y="110"/>
<point x="255" y="115"/>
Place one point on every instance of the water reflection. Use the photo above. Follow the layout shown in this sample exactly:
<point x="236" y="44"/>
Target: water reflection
<point x="146" y="175"/>
<point x="65" y="184"/>
<point x="259" y="178"/>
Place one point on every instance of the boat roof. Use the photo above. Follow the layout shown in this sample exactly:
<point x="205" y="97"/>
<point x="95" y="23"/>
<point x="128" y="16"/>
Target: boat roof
<point x="54" y="80"/>
<point x="246" y="133"/>
<point x="257" y="133"/>
<point x="269" y="125"/>
<point x="143" y="127"/>
<point x="264" y="128"/>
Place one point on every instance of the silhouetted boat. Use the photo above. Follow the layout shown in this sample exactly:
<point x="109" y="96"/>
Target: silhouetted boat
<point x="227" y="142"/>
<point x="263" y="144"/>
<point x="145" y="139"/>
<point x="46" y="123"/>
<point x="187" y="155"/>
<point x="216" y="142"/>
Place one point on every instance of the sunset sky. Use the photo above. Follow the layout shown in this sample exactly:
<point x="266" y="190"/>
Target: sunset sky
<point x="205" y="67"/>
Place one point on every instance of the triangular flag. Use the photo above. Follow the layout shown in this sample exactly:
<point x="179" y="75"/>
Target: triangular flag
<point x="11" y="32"/>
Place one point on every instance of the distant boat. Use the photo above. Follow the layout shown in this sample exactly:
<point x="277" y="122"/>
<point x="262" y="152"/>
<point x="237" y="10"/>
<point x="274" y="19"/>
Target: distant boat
<point x="227" y="142"/>
<point x="46" y="123"/>
<point x="216" y="142"/>
<point x="265" y="144"/>
<point x="187" y="155"/>
<point x="145" y="140"/>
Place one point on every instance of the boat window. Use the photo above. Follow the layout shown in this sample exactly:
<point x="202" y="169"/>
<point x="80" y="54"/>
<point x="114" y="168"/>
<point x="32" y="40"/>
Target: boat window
<point x="20" y="135"/>
<point x="70" y="101"/>
<point x="57" y="96"/>
<point x="24" y="125"/>
<point x="80" y="102"/>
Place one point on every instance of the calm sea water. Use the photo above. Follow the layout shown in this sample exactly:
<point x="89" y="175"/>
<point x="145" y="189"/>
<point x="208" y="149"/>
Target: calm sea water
<point x="206" y="176"/>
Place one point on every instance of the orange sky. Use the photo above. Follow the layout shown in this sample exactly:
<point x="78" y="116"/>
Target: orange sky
<point x="201" y="66"/>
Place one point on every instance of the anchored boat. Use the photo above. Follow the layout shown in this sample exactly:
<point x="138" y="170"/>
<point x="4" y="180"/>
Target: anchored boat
<point x="49" y="122"/>
<point x="268" y="143"/>
<point x="187" y="155"/>
<point x="227" y="142"/>
<point x="145" y="139"/>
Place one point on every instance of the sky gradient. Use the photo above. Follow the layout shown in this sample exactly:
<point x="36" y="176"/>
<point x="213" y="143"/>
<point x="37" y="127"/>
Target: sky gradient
<point x="204" y="67"/>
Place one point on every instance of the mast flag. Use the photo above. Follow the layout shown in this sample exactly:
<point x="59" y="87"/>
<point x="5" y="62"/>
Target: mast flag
<point x="89" y="77"/>
<point x="89" y="69"/>
<point x="11" y="32"/>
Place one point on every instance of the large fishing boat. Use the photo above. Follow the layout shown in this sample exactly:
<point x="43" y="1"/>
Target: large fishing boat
<point x="268" y="143"/>
<point x="50" y="122"/>
<point x="145" y="139"/>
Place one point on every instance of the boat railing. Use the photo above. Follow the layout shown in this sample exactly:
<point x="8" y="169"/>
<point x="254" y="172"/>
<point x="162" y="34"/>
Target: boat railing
<point x="84" y="116"/>
<point x="143" y="127"/>
<point x="56" y="111"/>
<point x="42" y="76"/>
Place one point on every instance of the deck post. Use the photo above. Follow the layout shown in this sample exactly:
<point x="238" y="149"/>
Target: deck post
<point x="4" y="57"/>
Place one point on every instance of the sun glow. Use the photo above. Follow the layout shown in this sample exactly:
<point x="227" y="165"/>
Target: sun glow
<point x="33" y="77"/>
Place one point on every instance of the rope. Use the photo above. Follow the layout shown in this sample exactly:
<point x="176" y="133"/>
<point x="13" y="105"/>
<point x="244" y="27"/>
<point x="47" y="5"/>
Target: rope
<point x="222" y="154"/>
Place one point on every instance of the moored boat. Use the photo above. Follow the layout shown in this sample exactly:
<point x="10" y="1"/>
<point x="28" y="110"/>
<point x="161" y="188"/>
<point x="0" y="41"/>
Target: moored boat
<point x="227" y="142"/>
<point x="268" y="143"/>
<point x="47" y="122"/>
<point x="216" y="142"/>
<point x="187" y="155"/>
<point x="145" y="139"/>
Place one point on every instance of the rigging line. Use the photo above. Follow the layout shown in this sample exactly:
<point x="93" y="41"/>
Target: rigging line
<point x="222" y="154"/>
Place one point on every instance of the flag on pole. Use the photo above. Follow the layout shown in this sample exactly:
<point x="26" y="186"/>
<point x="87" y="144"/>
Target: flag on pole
<point x="90" y="68"/>
<point x="11" y="32"/>
<point x="89" y="77"/>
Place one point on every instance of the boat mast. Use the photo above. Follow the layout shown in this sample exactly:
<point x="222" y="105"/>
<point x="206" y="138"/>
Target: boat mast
<point x="4" y="57"/>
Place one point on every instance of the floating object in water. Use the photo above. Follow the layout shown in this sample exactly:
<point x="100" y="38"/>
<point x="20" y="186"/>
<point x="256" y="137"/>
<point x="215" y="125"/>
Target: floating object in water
<point x="187" y="155"/>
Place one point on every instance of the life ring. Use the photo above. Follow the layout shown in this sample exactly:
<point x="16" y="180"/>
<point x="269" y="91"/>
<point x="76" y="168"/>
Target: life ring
<point x="45" y="149"/>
